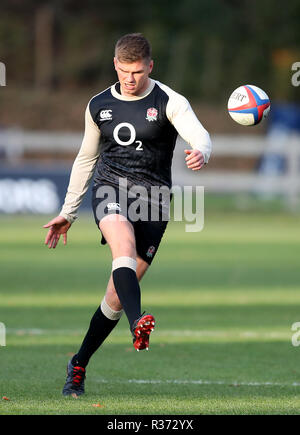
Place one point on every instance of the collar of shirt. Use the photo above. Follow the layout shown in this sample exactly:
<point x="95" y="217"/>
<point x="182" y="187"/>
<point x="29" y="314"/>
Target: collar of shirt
<point x="117" y="94"/>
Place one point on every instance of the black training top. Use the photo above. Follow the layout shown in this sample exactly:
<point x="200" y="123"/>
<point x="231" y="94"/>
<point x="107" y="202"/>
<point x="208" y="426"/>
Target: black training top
<point x="137" y="139"/>
<point x="132" y="137"/>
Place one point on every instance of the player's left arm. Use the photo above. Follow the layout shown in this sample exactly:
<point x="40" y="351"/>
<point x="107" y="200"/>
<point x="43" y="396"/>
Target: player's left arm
<point x="182" y="116"/>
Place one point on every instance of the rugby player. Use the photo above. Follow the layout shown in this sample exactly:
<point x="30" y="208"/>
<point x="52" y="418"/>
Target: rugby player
<point x="130" y="133"/>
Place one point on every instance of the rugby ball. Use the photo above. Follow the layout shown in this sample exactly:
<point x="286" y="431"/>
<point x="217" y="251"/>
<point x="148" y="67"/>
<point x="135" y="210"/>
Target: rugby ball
<point x="248" y="105"/>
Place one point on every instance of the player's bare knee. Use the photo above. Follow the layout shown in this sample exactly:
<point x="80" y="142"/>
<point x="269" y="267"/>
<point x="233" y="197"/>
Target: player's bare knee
<point x="124" y="247"/>
<point x="128" y="248"/>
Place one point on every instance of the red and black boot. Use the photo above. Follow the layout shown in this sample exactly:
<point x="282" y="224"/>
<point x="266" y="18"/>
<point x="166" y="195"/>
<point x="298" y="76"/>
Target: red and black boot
<point x="141" y="331"/>
<point x="74" y="385"/>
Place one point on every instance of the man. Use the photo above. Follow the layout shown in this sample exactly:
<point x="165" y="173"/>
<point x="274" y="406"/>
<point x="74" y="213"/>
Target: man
<point x="130" y="134"/>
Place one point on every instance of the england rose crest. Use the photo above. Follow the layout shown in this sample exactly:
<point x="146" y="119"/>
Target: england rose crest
<point x="152" y="114"/>
<point x="150" y="251"/>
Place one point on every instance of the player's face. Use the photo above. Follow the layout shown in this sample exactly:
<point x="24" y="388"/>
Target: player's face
<point x="133" y="77"/>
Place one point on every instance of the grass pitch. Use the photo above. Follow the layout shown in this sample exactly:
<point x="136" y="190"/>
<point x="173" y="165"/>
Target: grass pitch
<point x="225" y="300"/>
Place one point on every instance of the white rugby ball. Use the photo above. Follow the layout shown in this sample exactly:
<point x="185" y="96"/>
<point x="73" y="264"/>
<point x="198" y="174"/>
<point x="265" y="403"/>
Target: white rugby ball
<point x="248" y="105"/>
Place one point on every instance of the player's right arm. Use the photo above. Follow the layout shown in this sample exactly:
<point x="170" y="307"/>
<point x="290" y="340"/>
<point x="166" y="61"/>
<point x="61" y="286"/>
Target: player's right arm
<point x="81" y="174"/>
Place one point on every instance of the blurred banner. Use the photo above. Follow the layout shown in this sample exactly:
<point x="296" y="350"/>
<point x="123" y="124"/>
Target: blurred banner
<point x="31" y="190"/>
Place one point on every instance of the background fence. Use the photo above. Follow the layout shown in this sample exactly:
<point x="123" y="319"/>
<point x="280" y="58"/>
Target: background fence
<point x="36" y="175"/>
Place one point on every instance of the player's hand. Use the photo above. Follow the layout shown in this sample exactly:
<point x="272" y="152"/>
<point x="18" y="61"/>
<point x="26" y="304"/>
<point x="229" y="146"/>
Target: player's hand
<point x="194" y="159"/>
<point x="58" y="226"/>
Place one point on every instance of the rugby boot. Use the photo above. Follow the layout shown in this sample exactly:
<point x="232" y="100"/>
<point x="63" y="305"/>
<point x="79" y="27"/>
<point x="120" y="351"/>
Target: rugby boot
<point x="141" y="331"/>
<point x="74" y="385"/>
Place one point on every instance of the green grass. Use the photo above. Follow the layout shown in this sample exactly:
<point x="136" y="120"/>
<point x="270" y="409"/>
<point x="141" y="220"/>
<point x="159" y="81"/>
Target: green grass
<point x="225" y="300"/>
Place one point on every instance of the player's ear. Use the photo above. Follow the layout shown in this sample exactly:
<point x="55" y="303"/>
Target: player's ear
<point x="151" y="66"/>
<point x="115" y="63"/>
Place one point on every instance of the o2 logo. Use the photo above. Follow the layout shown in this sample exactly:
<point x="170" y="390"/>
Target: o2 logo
<point x="131" y="138"/>
<point x="296" y="76"/>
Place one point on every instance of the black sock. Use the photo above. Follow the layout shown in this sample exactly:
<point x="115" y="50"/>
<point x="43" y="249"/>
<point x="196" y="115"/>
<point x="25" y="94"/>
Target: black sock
<point x="100" y="328"/>
<point x="128" y="291"/>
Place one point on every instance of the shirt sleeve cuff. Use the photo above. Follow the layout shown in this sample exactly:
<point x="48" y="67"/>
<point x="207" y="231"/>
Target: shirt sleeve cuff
<point x="69" y="218"/>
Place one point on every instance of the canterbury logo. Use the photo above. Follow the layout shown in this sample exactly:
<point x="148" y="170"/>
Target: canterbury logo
<point x="105" y="115"/>
<point x="113" y="206"/>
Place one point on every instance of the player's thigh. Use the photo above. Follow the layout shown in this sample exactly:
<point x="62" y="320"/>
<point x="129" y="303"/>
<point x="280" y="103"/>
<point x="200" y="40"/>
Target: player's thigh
<point x="119" y="234"/>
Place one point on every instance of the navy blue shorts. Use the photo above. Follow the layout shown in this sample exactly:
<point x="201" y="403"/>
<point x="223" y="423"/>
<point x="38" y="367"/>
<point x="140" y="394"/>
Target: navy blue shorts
<point x="148" y="219"/>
